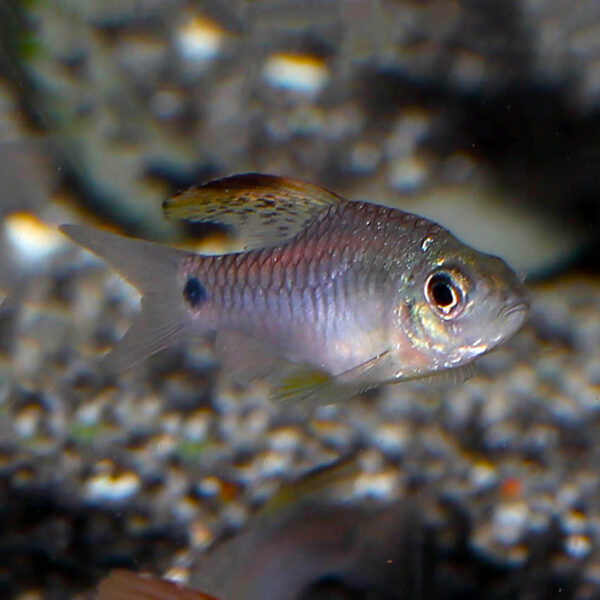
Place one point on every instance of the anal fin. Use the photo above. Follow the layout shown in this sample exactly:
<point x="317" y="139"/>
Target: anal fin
<point x="448" y="377"/>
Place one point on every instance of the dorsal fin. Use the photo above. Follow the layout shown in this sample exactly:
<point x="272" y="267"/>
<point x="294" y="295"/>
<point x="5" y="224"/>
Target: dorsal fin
<point x="264" y="210"/>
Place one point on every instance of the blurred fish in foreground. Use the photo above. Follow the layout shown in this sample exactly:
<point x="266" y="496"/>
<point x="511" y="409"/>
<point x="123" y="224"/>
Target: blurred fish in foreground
<point x="373" y="547"/>
<point x="123" y="585"/>
<point x="349" y="547"/>
<point x="312" y="532"/>
<point x="340" y="296"/>
<point x="315" y="530"/>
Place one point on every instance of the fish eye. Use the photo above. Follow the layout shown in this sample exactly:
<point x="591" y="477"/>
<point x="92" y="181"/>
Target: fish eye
<point x="444" y="294"/>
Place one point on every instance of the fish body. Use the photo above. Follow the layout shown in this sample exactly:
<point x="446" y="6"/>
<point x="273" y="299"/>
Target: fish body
<point x="352" y="294"/>
<point x="327" y="299"/>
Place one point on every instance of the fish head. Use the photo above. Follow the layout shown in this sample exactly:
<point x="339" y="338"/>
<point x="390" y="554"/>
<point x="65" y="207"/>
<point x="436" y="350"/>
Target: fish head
<point x="456" y="304"/>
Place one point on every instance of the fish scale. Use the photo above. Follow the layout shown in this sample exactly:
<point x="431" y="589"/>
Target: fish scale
<point x="307" y="308"/>
<point x="338" y="296"/>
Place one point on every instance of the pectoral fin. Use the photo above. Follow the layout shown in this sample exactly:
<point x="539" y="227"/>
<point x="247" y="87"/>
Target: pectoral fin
<point x="308" y="387"/>
<point x="303" y="384"/>
<point x="263" y="210"/>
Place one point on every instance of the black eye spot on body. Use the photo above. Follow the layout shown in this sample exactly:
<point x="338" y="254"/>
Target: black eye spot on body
<point x="194" y="293"/>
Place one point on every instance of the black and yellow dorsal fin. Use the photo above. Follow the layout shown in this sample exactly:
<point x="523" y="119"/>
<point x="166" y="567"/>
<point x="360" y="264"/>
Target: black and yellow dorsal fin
<point x="264" y="210"/>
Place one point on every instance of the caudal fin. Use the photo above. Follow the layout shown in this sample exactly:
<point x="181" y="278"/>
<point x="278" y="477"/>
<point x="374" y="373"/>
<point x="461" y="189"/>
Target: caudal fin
<point x="124" y="585"/>
<point x="152" y="269"/>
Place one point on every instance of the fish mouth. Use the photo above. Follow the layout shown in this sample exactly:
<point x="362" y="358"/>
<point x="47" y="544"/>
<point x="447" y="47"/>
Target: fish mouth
<point x="513" y="316"/>
<point x="514" y="308"/>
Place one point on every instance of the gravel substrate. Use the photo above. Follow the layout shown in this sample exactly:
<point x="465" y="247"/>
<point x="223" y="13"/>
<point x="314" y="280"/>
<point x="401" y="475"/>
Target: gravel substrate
<point x="148" y="469"/>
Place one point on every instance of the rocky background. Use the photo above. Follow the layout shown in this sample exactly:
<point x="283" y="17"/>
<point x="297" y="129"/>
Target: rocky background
<point x="483" y="115"/>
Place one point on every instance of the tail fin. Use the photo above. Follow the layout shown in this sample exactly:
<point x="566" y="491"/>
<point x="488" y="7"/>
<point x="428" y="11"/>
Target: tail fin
<point x="152" y="269"/>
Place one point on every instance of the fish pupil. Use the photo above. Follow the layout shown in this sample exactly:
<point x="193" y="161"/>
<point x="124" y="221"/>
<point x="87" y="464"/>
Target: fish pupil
<point x="442" y="294"/>
<point x="445" y="295"/>
<point x="194" y="293"/>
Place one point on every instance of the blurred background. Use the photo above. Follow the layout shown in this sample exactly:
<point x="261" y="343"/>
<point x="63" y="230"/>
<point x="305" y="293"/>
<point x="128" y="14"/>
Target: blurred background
<point x="482" y="115"/>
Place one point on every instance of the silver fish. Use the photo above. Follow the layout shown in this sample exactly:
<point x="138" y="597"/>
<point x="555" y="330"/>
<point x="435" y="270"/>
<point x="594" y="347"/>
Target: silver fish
<point x="333" y="296"/>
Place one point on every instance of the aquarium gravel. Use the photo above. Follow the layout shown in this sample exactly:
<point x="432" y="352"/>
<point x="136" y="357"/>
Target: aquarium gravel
<point x="149" y="468"/>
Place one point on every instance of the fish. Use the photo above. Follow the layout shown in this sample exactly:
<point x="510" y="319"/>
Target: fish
<point x="328" y="297"/>
<point x="300" y="541"/>
<point x="314" y="529"/>
<point x="127" y="585"/>
<point x="277" y="532"/>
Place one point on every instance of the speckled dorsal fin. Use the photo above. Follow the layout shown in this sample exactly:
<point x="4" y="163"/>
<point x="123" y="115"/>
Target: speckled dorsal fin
<point x="125" y="585"/>
<point x="264" y="210"/>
